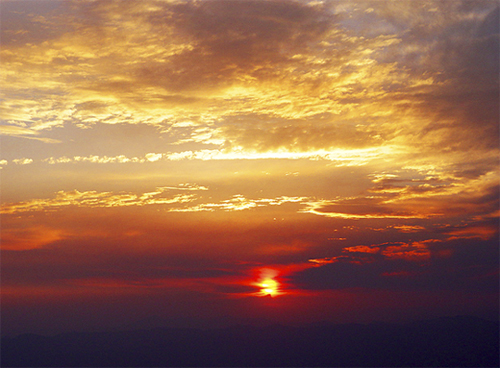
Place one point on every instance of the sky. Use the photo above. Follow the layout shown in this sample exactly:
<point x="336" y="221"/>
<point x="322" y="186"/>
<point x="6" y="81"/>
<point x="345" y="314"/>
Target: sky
<point x="202" y="163"/>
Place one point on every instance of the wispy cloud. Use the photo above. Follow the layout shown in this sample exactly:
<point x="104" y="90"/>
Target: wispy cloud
<point x="158" y="197"/>
<point x="437" y="195"/>
<point x="23" y="161"/>
<point x="338" y="157"/>
<point x="96" y="199"/>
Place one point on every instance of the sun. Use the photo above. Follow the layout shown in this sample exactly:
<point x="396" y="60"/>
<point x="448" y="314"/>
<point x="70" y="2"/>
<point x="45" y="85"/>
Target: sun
<point x="269" y="287"/>
<point x="267" y="283"/>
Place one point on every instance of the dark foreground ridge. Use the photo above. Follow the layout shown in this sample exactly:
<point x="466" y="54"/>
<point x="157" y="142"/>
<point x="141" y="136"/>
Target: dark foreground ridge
<point x="444" y="342"/>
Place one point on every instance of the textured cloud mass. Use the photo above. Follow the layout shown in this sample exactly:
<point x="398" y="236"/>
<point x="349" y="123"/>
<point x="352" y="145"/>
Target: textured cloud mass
<point x="258" y="75"/>
<point x="347" y="146"/>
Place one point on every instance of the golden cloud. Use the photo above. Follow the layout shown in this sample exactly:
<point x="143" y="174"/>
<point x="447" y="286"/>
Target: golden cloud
<point x="109" y="199"/>
<point x="252" y="77"/>
<point x="95" y="199"/>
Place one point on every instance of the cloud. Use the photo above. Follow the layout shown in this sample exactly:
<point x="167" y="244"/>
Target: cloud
<point x="20" y="132"/>
<point x="238" y="203"/>
<point x="414" y="196"/>
<point x="419" y="80"/>
<point x="358" y="208"/>
<point x="22" y="161"/>
<point x="339" y="157"/>
<point x="23" y="238"/>
<point x="186" y="186"/>
<point x="95" y="199"/>
<point x="152" y="157"/>
<point x="283" y="61"/>
<point x="425" y="265"/>
<point x="408" y="228"/>
<point x="462" y="52"/>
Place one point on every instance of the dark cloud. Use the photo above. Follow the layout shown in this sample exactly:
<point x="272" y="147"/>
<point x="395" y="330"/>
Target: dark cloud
<point x="230" y="41"/>
<point x="434" y="198"/>
<point x="31" y="22"/>
<point x="371" y="207"/>
<point x="452" y="270"/>
<point x="462" y="55"/>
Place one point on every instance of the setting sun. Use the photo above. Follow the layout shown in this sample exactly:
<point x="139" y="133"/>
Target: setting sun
<point x="269" y="287"/>
<point x="267" y="283"/>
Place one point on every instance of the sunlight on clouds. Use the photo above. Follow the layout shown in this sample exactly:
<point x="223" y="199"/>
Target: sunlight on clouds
<point x="412" y="251"/>
<point x="108" y="199"/>
<point x="408" y="228"/>
<point x="186" y="186"/>
<point x="150" y="85"/>
<point x="416" y="251"/>
<point x="338" y="157"/>
<point x="19" y="131"/>
<point x="29" y="237"/>
<point x="366" y="216"/>
<point x="149" y="157"/>
<point x="239" y="203"/>
<point x="471" y="232"/>
<point x="95" y="199"/>
<point x="22" y="161"/>
<point x="152" y="157"/>
<point x="413" y="198"/>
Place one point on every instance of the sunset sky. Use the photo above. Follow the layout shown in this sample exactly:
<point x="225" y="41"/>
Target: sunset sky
<point x="201" y="163"/>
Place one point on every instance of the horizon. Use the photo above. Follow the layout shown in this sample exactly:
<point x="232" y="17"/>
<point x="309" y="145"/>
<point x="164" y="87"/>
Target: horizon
<point x="203" y="163"/>
<point x="457" y="341"/>
<point x="153" y="324"/>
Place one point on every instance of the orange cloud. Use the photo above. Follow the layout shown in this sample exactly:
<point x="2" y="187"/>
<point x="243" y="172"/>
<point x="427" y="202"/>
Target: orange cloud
<point x="416" y="251"/>
<point x="362" y="249"/>
<point x="32" y="237"/>
<point x="483" y="232"/>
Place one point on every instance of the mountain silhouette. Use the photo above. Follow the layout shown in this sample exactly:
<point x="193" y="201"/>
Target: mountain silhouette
<point x="443" y="342"/>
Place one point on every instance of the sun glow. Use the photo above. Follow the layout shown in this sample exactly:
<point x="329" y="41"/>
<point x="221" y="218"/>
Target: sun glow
<point x="267" y="284"/>
<point x="269" y="287"/>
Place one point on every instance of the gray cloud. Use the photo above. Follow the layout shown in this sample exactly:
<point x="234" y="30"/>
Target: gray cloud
<point x="458" y="271"/>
